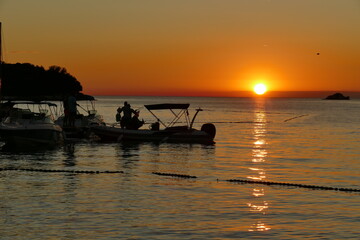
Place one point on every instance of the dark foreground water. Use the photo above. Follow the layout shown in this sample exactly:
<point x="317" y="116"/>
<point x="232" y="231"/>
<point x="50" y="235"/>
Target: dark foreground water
<point x="307" y="141"/>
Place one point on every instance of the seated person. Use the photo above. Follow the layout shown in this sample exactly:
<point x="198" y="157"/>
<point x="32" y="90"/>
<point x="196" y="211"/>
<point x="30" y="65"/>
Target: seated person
<point x="135" y="123"/>
<point x="118" y="117"/>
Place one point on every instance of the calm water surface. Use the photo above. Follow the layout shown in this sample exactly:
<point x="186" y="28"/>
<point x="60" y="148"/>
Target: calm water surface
<point x="307" y="141"/>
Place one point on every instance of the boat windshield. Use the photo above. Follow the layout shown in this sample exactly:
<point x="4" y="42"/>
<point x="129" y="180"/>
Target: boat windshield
<point x="24" y="109"/>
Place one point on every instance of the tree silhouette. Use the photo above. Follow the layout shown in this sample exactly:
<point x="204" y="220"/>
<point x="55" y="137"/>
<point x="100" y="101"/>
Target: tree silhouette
<point x="25" y="80"/>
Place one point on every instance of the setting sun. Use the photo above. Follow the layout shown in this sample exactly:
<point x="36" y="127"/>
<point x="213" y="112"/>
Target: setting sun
<point x="260" y="89"/>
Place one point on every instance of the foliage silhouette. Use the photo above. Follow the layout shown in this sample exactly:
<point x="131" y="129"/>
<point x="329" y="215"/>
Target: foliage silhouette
<point x="25" y="80"/>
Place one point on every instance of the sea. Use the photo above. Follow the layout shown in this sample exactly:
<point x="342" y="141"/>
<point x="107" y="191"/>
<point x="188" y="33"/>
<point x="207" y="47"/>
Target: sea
<point x="111" y="191"/>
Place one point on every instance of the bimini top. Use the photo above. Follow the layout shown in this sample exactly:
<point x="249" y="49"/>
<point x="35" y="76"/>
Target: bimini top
<point x="167" y="106"/>
<point x="29" y="103"/>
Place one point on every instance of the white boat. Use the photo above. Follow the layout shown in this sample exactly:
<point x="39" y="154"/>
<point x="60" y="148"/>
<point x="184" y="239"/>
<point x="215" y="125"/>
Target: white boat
<point x="31" y="124"/>
<point x="169" y="132"/>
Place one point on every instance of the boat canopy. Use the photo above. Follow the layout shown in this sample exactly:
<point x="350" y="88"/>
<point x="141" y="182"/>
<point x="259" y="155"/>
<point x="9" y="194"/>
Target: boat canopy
<point x="32" y="103"/>
<point x="182" y="111"/>
<point x="167" y="106"/>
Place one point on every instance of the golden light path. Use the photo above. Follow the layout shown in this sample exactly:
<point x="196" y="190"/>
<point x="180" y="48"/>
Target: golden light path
<point x="260" y="89"/>
<point x="258" y="203"/>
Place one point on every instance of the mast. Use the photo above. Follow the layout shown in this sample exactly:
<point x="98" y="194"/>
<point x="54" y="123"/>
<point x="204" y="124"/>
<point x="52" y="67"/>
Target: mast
<point x="0" y="51"/>
<point x="1" y="60"/>
<point x="0" y="44"/>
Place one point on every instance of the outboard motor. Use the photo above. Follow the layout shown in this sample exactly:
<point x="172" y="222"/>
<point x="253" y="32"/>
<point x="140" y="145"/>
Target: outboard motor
<point x="209" y="128"/>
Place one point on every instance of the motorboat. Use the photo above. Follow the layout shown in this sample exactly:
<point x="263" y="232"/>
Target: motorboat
<point x="86" y="117"/>
<point x="161" y="131"/>
<point x="31" y="124"/>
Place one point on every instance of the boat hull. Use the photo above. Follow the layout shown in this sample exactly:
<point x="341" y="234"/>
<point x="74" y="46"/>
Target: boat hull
<point x="81" y="128"/>
<point x="111" y="134"/>
<point x="48" y="136"/>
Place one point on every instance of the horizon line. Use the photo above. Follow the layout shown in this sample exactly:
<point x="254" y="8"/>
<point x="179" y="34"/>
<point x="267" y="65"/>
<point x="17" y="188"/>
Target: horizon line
<point x="242" y="94"/>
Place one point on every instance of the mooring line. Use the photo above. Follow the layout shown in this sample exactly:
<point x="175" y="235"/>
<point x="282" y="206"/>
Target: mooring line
<point x="266" y="183"/>
<point x="57" y="170"/>
<point x="304" y="115"/>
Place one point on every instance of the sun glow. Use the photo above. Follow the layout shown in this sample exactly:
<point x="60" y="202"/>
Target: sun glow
<point x="260" y="89"/>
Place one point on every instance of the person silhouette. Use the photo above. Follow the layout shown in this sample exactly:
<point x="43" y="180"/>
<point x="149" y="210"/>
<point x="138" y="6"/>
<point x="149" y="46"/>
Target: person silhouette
<point x="127" y="114"/>
<point x="72" y="110"/>
<point x="135" y="123"/>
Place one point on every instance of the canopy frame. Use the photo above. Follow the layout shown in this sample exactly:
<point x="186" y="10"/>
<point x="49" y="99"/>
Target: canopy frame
<point x="183" y="111"/>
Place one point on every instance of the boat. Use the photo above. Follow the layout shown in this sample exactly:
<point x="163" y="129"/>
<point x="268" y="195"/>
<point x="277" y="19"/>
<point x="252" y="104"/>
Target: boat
<point x="30" y="123"/>
<point x="161" y="131"/>
<point x="86" y="117"/>
<point x="337" y="96"/>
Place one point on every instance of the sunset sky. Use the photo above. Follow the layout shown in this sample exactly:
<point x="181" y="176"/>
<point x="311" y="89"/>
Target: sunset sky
<point x="197" y="48"/>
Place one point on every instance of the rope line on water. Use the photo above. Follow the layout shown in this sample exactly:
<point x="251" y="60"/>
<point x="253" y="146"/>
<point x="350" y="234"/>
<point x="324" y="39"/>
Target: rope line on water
<point x="174" y="175"/>
<point x="293" y="185"/>
<point x="267" y="183"/>
<point x="304" y="115"/>
<point x="57" y="170"/>
<point x="243" y="181"/>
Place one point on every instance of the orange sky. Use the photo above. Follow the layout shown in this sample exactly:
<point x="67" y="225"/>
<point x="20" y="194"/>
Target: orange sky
<point x="201" y="47"/>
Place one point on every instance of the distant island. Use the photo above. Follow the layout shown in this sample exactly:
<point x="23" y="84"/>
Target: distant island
<point x="27" y="81"/>
<point x="337" y="96"/>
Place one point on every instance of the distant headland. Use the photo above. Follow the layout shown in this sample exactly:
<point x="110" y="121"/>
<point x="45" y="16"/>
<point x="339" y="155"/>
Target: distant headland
<point x="337" y="96"/>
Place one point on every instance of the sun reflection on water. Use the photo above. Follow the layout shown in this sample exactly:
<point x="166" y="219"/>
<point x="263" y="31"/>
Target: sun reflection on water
<point x="259" y="151"/>
<point x="258" y="208"/>
<point x="257" y="170"/>
<point x="258" y="192"/>
<point x="259" y="227"/>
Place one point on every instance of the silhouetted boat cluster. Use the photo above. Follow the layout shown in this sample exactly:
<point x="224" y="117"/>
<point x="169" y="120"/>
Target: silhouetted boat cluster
<point x="40" y="123"/>
<point x="33" y="123"/>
